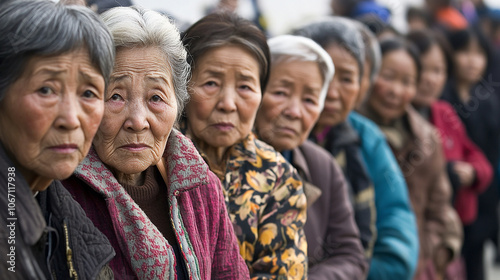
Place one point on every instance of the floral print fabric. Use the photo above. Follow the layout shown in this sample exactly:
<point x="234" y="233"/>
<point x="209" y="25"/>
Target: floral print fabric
<point x="267" y="206"/>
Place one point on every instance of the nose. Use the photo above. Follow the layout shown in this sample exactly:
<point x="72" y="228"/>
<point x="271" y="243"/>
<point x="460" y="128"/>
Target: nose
<point x="69" y="111"/>
<point x="226" y="102"/>
<point x="397" y="89"/>
<point x="333" y="92"/>
<point x="293" y="110"/>
<point x="137" y="119"/>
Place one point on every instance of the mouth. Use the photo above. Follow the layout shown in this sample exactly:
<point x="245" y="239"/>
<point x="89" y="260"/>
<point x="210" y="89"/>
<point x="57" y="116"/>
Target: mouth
<point x="223" y="126"/>
<point x="135" y="147"/>
<point x="287" y="130"/>
<point x="64" y="148"/>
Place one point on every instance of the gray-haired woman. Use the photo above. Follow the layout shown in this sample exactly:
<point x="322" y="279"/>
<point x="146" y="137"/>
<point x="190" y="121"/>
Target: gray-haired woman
<point x="54" y="64"/>
<point x="144" y="184"/>
<point x="300" y="75"/>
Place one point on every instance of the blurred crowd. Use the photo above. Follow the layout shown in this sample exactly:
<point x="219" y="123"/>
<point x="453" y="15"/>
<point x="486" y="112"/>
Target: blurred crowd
<point x="136" y="146"/>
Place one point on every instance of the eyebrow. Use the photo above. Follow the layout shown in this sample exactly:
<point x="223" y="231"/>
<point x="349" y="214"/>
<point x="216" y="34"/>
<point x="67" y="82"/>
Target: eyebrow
<point x="158" y="79"/>
<point x="90" y="77"/>
<point x="120" y="78"/>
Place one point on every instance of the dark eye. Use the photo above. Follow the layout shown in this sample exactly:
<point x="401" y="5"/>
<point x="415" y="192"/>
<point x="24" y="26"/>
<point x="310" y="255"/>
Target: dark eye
<point x="156" y="98"/>
<point x="211" y="84"/>
<point x="279" y="93"/>
<point x="245" y="87"/>
<point x="310" y="101"/>
<point x="116" y="97"/>
<point x="89" y="94"/>
<point x="45" y="91"/>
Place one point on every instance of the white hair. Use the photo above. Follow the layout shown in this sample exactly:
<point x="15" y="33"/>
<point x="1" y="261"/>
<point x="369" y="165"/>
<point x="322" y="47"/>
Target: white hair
<point x="297" y="48"/>
<point x="137" y="27"/>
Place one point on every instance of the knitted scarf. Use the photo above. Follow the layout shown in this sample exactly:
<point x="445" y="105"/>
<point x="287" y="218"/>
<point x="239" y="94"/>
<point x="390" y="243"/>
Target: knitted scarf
<point x="149" y="253"/>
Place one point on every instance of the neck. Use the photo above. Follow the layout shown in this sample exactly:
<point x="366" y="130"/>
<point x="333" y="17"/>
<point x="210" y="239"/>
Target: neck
<point x="35" y="181"/>
<point x="376" y="117"/>
<point x="130" y="179"/>
<point x="463" y="90"/>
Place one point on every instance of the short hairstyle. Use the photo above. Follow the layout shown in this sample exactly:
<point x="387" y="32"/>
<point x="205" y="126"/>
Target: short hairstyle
<point x="415" y="12"/>
<point x="286" y="48"/>
<point x="372" y="50"/>
<point x="133" y="27"/>
<point x="225" y="29"/>
<point x="461" y="39"/>
<point x="424" y="40"/>
<point x="396" y="44"/>
<point x="336" y="31"/>
<point x="43" y="28"/>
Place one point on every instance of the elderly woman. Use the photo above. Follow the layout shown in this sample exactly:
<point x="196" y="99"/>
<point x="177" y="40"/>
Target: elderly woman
<point x="418" y="150"/>
<point x="264" y="194"/>
<point x="395" y="250"/>
<point x="143" y="184"/>
<point x="301" y="72"/>
<point x="54" y="64"/>
<point x="344" y="44"/>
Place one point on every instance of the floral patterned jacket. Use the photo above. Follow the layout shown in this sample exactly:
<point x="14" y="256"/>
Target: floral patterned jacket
<point x="267" y="206"/>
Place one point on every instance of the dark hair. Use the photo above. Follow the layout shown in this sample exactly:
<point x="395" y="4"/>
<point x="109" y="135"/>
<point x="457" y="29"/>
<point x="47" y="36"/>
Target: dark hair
<point x="43" y="28"/>
<point x="424" y="40"/>
<point x="376" y="25"/>
<point x="414" y="12"/>
<point x="396" y="44"/>
<point x="336" y="31"/>
<point x="460" y="40"/>
<point x="222" y="29"/>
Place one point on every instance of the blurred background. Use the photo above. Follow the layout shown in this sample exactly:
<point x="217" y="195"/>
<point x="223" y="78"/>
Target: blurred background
<point x="280" y="15"/>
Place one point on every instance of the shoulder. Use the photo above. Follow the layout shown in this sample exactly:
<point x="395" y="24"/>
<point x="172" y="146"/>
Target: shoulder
<point x="316" y="155"/>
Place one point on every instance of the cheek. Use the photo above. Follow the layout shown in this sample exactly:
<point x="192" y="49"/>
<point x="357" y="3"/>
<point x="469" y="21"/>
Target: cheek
<point x="92" y="120"/>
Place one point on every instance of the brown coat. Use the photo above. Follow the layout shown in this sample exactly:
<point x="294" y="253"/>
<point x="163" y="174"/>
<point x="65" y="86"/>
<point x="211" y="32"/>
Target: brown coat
<point x="422" y="161"/>
<point x="334" y="248"/>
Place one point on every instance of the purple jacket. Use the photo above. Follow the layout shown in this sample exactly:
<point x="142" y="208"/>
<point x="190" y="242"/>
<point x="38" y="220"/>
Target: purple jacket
<point x="198" y="213"/>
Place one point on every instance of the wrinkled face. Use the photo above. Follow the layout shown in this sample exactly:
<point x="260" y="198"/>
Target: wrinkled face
<point x="140" y="110"/>
<point x="225" y="96"/>
<point x="51" y="113"/>
<point x="343" y="90"/>
<point x="395" y="86"/>
<point x="291" y="104"/>
<point x="433" y="77"/>
<point x="470" y="63"/>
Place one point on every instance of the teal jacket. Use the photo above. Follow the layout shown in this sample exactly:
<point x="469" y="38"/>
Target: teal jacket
<point x="395" y="254"/>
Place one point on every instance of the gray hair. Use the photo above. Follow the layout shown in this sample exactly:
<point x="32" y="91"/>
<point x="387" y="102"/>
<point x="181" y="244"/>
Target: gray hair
<point x="137" y="27"/>
<point x="43" y="28"/>
<point x="286" y="48"/>
<point x="336" y="31"/>
<point x="372" y="50"/>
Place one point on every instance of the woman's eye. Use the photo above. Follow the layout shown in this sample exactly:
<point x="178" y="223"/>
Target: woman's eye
<point x="245" y="87"/>
<point x="89" y="94"/>
<point x="211" y="84"/>
<point x="116" y="97"/>
<point x="45" y="91"/>
<point x="279" y="93"/>
<point x="156" y="98"/>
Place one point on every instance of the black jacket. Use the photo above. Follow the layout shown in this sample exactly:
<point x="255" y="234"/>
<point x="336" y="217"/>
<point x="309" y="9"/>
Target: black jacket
<point x="47" y="236"/>
<point x="343" y="143"/>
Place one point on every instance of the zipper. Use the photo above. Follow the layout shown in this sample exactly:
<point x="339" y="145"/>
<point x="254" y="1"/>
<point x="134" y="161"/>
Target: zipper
<point x="69" y="254"/>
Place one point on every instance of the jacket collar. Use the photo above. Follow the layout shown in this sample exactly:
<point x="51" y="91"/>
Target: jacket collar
<point x="185" y="166"/>
<point x="300" y="163"/>
<point x="27" y="210"/>
<point x="244" y="151"/>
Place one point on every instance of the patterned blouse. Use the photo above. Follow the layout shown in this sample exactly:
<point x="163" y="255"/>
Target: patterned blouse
<point x="267" y="206"/>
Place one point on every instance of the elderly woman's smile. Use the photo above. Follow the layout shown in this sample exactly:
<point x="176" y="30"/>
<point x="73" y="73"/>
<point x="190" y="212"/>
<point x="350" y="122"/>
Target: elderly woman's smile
<point x="140" y="110"/>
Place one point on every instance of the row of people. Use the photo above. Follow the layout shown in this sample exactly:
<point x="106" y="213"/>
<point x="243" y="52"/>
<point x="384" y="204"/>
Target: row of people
<point x="177" y="182"/>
